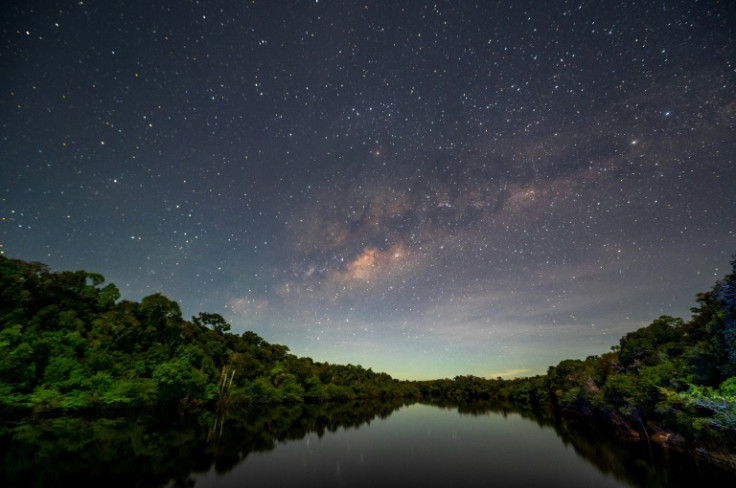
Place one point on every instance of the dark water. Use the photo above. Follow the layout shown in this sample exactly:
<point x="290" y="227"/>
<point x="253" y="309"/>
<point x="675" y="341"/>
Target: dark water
<point x="421" y="445"/>
<point x="358" y="444"/>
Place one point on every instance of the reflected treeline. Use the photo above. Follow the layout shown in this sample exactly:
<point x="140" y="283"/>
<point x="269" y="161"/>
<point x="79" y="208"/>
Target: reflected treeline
<point x="149" y="450"/>
<point x="636" y="463"/>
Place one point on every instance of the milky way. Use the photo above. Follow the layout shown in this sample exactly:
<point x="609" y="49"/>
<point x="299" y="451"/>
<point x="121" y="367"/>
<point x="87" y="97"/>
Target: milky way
<point x="427" y="189"/>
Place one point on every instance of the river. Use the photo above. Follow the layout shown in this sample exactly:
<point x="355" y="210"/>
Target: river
<point x="360" y="444"/>
<point x="421" y="445"/>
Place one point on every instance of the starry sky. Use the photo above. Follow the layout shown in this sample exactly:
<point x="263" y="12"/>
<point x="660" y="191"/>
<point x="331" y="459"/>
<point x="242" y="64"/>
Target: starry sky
<point x="427" y="189"/>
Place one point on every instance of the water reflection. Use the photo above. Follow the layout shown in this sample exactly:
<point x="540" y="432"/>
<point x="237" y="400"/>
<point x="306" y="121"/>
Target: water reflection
<point x="635" y="464"/>
<point x="149" y="450"/>
<point x="352" y="444"/>
<point x="421" y="445"/>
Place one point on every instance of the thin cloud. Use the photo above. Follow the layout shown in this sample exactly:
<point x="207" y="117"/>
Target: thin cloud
<point x="509" y="373"/>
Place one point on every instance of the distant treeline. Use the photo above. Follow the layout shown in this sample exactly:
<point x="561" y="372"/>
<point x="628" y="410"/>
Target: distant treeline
<point x="67" y="342"/>
<point x="672" y="381"/>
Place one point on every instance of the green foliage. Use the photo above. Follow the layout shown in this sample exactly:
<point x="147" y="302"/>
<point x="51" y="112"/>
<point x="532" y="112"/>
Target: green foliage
<point x="643" y="346"/>
<point x="670" y="374"/>
<point x="217" y="322"/>
<point x="728" y="388"/>
<point x="708" y="410"/>
<point x="67" y="342"/>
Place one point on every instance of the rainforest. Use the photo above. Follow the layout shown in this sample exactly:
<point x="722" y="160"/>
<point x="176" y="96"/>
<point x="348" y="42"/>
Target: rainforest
<point x="70" y="346"/>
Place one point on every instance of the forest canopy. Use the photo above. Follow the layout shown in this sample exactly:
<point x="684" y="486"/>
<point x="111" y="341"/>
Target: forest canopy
<point x="68" y="342"/>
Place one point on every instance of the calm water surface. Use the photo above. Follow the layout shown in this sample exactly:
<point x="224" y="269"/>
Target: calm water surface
<point x="420" y="445"/>
<point x="358" y="444"/>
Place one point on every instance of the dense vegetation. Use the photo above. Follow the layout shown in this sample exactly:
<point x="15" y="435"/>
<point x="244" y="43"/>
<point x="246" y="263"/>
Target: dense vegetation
<point x="67" y="342"/>
<point x="672" y="381"/>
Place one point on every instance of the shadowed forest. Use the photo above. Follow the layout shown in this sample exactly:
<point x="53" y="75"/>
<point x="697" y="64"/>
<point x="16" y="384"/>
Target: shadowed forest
<point x="70" y="345"/>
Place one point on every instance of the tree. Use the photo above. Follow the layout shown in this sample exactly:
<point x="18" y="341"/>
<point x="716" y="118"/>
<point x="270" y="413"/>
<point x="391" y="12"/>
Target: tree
<point x="161" y="319"/>
<point x="724" y="323"/>
<point x="179" y="380"/>
<point x="215" y="320"/>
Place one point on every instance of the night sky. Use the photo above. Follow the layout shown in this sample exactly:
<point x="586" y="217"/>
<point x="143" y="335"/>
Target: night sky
<point x="425" y="189"/>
